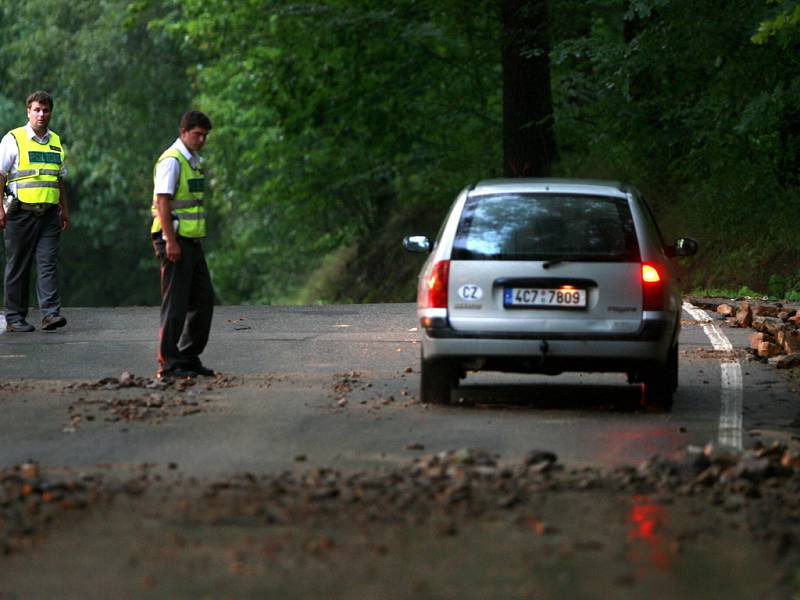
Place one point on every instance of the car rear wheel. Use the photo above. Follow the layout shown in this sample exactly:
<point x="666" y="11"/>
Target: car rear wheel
<point x="437" y="379"/>
<point x="660" y="381"/>
<point x="673" y="366"/>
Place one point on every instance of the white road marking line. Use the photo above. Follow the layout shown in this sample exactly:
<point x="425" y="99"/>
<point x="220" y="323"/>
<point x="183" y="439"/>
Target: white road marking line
<point x="730" y="418"/>
<point x="715" y="335"/>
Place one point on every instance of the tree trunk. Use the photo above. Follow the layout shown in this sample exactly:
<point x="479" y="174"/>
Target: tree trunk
<point x="529" y="147"/>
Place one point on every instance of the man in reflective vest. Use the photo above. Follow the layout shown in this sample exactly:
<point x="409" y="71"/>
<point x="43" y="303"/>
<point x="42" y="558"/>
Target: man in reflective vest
<point x="33" y="214"/>
<point x="179" y="225"/>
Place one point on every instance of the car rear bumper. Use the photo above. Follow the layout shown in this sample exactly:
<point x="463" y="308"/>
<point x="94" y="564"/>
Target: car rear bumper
<point x="554" y="351"/>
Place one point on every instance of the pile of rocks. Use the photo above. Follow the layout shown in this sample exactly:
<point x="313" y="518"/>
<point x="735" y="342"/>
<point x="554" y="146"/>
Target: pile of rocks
<point x="468" y="482"/>
<point x="151" y="408"/>
<point x="729" y="476"/>
<point x="129" y="380"/>
<point x="120" y="398"/>
<point x="777" y="330"/>
<point x="29" y="499"/>
<point x="758" y="488"/>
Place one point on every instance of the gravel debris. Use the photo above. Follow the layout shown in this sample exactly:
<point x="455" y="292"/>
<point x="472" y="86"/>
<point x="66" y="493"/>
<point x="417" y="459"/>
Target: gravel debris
<point x="142" y="399"/>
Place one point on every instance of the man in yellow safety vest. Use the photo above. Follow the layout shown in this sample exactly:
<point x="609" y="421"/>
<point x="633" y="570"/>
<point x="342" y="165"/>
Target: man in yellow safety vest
<point x="179" y="225"/>
<point x="33" y="214"/>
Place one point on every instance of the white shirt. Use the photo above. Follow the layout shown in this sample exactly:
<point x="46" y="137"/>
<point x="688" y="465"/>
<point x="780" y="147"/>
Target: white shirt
<point x="9" y="155"/>
<point x="168" y="171"/>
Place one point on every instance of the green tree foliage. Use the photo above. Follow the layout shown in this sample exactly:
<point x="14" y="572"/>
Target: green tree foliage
<point x="784" y="26"/>
<point x="330" y="117"/>
<point x="687" y="94"/>
<point x="340" y="125"/>
<point x="119" y="90"/>
<point x="675" y="96"/>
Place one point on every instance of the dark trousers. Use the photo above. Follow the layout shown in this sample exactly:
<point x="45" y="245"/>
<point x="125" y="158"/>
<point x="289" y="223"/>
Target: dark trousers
<point x="29" y="236"/>
<point x="187" y="305"/>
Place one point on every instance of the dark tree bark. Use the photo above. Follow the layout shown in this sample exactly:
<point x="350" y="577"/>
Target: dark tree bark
<point x="529" y="147"/>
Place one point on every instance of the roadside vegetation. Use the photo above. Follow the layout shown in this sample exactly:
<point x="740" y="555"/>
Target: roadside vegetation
<point x="341" y="126"/>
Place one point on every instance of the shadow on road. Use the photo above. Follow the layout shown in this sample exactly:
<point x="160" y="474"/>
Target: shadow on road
<point x="549" y="396"/>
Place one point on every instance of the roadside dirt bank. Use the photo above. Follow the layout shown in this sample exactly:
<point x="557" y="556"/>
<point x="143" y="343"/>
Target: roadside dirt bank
<point x="460" y="524"/>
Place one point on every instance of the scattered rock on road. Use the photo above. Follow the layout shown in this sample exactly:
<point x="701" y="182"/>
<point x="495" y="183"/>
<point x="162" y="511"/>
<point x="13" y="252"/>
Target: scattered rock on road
<point x="130" y="398"/>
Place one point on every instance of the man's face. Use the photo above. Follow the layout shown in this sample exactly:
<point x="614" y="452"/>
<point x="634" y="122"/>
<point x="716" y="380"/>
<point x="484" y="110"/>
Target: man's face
<point x="39" y="115"/>
<point x="194" y="139"/>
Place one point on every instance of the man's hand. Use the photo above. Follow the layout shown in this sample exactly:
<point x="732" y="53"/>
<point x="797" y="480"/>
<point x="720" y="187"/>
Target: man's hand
<point x="63" y="206"/>
<point x="3" y="179"/>
<point x="173" y="250"/>
<point x="164" y="211"/>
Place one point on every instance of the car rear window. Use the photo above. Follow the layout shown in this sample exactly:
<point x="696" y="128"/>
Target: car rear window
<point x="546" y="227"/>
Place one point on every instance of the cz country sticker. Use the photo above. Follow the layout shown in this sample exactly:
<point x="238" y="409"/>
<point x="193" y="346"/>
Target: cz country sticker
<point x="470" y="292"/>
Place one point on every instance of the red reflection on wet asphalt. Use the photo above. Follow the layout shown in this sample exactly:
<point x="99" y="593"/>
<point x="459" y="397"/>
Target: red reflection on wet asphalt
<point x="645" y="533"/>
<point x="626" y="446"/>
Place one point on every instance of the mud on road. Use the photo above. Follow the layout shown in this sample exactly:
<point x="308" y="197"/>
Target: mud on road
<point x="463" y="523"/>
<point x="460" y="524"/>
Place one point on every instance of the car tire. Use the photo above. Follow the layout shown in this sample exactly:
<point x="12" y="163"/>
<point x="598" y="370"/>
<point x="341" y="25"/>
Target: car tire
<point x="437" y="379"/>
<point x="673" y="366"/>
<point x="659" y="385"/>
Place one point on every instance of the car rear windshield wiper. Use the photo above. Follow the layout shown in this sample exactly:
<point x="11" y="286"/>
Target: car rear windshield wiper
<point x="553" y="262"/>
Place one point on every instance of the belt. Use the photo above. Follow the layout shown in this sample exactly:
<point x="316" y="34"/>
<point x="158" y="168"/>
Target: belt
<point x="159" y="237"/>
<point x="38" y="208"/>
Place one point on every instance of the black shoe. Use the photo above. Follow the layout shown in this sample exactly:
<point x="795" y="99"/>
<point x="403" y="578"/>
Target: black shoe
<point x="20" y="327"/>
<point x="204" y="371"/>
<point x="177" y="372"/>
<point x="51" y="322"/>
<point x="196" y="366"/>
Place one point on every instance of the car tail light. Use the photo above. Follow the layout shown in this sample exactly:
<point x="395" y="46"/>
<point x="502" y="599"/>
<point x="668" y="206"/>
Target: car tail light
<point x="433" y="293"/>
<point x="652" y="288"/>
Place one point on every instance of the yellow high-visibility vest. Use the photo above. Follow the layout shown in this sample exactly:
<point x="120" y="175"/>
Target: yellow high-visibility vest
<point x="187" y="202"/>
<point x="39" y="169"/>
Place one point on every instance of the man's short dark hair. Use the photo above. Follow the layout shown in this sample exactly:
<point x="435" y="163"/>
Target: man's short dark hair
<point x="194" y="118"/>
<point x="41" y="97"/>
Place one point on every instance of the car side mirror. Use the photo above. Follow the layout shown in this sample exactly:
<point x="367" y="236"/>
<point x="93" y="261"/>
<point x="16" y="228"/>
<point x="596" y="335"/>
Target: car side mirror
<point x="419" y="244"/>
<point x="683" y="247"/>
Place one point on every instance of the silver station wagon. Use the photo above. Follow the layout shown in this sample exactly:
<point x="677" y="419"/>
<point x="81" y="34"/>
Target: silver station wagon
<point x="547" y="276"/>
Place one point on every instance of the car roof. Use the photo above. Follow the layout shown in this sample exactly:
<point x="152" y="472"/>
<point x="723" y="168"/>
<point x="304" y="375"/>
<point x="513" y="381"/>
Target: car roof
<point x="597" y="187"/>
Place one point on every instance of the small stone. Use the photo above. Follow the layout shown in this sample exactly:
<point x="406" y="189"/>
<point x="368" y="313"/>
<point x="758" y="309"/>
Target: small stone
<point x="538" y="527"/>
<point x="744" y="315"/>
<point x="786" y="361"/>
<point x="733" y="503"/>
<point x="765" y="310"/>
<point x="692" y="464"/>
<point x="30" y="470"/>
<point x="758" y="337"/>
<point x="538" y="458"/>
<point x="726" y="310"/>
<point x="753" y="469"/>
<point x="789" y="339"/>
<point x="769" y="349"/>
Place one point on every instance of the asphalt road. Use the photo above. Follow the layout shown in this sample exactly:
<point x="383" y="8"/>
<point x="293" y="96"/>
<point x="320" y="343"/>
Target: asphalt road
<point x="337" y="385"/>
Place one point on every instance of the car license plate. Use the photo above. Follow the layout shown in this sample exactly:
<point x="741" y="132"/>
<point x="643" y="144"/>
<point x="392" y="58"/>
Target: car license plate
<point x="555" y="297"/>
